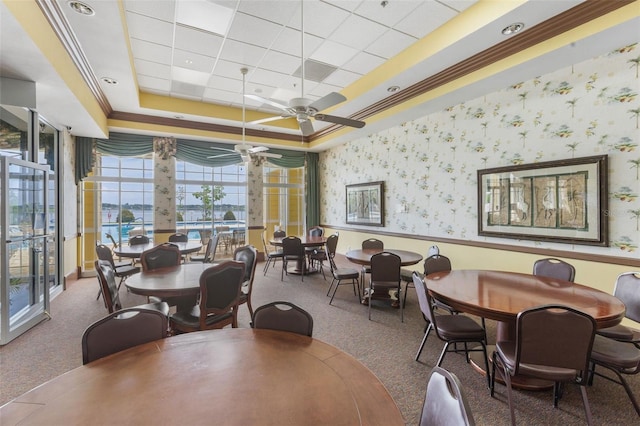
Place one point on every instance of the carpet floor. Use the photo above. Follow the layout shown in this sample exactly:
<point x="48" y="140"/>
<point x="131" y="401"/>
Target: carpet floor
<point x="385" y="345"/>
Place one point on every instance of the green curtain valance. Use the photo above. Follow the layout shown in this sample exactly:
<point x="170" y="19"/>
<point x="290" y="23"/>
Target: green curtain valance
<point x="84" y="158"/>
<point x="198" y="152"/>
<point x="125" y="145"/>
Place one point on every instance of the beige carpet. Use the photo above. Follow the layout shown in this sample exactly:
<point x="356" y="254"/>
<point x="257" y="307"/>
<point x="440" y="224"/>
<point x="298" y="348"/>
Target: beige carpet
<point x="384" y="345"/>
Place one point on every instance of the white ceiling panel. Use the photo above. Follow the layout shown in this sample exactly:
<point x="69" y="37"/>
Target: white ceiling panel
<point x="151" y="51"/>
<point x="390" y="44"/>
<point x="159" y="9"/>
<point x="388" y="15"/>
<point x="198" y="41"/>
<point x="193" y="61"/>
<point x="252" y="30"/>
<point x="154" y="83"/>
<point x="358" y="32"/>
<point x="153" y="69"/>
<point x="333" y="53"/>
<point x="149" y="29"/>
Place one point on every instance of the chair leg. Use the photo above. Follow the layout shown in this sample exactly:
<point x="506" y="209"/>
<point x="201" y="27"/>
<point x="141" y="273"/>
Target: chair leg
<point x="585" y="402"/>
<point x="330" y="286"/>
<point x="486" y="363"/>
<point x="507" y="379"/>
<point x="443" y="353"/>
<point x="335" y="288"/>
<point x="424" y="340"/>
<point x="492" y="382"/>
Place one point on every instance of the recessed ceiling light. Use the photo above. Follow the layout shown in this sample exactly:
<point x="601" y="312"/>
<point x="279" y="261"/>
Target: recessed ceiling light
<point x="393" y="89"/>
<point x="513" y="28"/>
<point x="109" y="80"/>
<point x="179" y="117"/>
<point x="81" y="8"/>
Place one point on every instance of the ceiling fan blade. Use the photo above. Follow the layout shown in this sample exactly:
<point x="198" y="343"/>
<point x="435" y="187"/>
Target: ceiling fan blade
<point x="340" y="120"/>
<point x="306" y="127"/>
<point x="223" y="155"/>
<point x="268" y="155"/>
<point x="268" y="119"/>
<point x="269" y="102"/>
<point x="256" y="149"/>
<point x="327" y="101"/>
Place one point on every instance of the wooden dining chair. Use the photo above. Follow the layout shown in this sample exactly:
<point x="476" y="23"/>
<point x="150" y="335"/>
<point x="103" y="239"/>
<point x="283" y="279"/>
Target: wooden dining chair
<point x="122" y="270"/>
<point x="554" y="268"/>
<point x="445" y="403"/>
<point x="283" y="316"/>
<point x="451" y="329"/>
<point x="384" y="279"/>
<point x="249" y="256"/>
<point x="161" y="256"/>
<point x="122" y="330"/>
<point x="627" y="289"/>
<point x="109" y="289"/>
<point x="339" y="274"/>
<point x="371" y="243"/>
<point x="138" y="239"/>
<point x="220" y="292"/>
<point x="553" y="342"/>
<point x="210" y="252"/>
<point x="292" y="251"/>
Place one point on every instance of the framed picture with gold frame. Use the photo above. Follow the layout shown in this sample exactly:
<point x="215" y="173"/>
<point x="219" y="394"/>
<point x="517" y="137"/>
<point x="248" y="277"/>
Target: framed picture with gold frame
<point x="562" y="201"/>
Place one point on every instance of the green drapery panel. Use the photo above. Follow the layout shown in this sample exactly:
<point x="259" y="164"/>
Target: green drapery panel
<point x="84" y="158"/>
<point x="289" y="160"/>
<point x="313" y="190"/>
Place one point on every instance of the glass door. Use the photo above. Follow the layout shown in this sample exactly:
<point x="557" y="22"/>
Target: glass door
<point x="25" y="239"/>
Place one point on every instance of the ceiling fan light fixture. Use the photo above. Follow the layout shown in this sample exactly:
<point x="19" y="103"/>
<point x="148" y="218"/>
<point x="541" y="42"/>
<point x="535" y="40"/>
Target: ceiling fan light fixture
<point x="513" y="28"/>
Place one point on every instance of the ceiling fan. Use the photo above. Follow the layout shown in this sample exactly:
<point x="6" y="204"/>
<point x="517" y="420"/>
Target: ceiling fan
<point x="304" y="109"/>
<point x="246" y="151"/>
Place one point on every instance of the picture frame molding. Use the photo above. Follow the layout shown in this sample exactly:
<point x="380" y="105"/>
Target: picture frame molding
<point x="563" y="201"/>
<point x="365" y="204"/>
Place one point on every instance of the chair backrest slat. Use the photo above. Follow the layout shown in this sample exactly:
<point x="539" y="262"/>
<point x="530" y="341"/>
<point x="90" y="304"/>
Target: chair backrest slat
<point x="292" y="318"/>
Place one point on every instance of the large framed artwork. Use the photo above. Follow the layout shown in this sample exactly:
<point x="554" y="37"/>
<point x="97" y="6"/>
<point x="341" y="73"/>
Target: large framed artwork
<point x="561" y="201"/>
<point x="365" y="204"/>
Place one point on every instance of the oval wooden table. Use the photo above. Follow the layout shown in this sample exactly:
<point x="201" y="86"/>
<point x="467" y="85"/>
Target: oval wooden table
<point x="230" y="376"/>
<point x="182" y="280"/>
<point x="135" y="251"/>
<point x="501" y="295"/>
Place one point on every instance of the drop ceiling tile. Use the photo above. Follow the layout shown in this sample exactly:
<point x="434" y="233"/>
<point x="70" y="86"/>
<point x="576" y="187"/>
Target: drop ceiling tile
<point x="153" y="83"/>
<point x="333" y="53"/>
<point x="288" y="41"/>
<point x="218" y="96"/>
<point x="348" y="5"/>
<point x="341" y="78"/>
<point x="320" y="19"/>
<point x="390" y="44"/>
<point x="425" y="19"/>
<point x="321" y="90"/>
<point x="229" y="84"/>
<point x="193" y="61"/>
<point x="270" y="78"/>
<point x="358" y="32"/>
<point x="390" y="14"/>
<point x="235" y="51"/>
<point x="164" y="9"/>
<point x="459" y="5"/>
<point x="198" y="41"/>
<point x="279" y="12"/>
<point x="205" y="15"/>
<point x="189" y="90"/>
<point x="252" y="30"/>
<point x="230" y="69"/>
<point x="151" y="51"/>
<point x="149" y="29"/>
<point x="280" y="62"/>
<point x="189" y="76"/>
<point x="363" y="63"/>
<point x="153" y="69"/>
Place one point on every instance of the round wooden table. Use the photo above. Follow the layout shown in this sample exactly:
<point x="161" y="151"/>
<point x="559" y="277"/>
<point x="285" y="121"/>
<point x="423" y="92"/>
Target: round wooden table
<point x="182" y="280"/>
<point x="230" y="376"/>
<point x="307" y="241"/>
<point x="135" y="251"/>
<point x="501" y="295"/>
<point x="363" y="256"/>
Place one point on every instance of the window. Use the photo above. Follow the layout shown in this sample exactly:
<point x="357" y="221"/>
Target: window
<point x="118" y="202"/>
<point x="284" y="206"/>
<point x="207" y="197"/>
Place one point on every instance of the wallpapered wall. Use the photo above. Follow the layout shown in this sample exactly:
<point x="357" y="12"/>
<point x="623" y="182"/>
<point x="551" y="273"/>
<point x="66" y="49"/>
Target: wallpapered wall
<point x="429" y="165"/>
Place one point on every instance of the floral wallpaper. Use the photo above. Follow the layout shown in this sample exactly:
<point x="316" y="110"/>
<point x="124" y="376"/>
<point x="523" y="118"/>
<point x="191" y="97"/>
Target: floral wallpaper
<point x="164" y="183"/>
<point x="254" y="192"/>
<point x="429" y="165"/>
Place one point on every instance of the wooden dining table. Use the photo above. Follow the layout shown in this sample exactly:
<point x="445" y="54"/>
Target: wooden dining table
<point x="363" y="257"/>
<point x="501" y="295"/>
<point x="135" y="251"/>
<point x="307" y="241"/>
<point x="172" y="282"/>
<point x="229" y="376"/>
